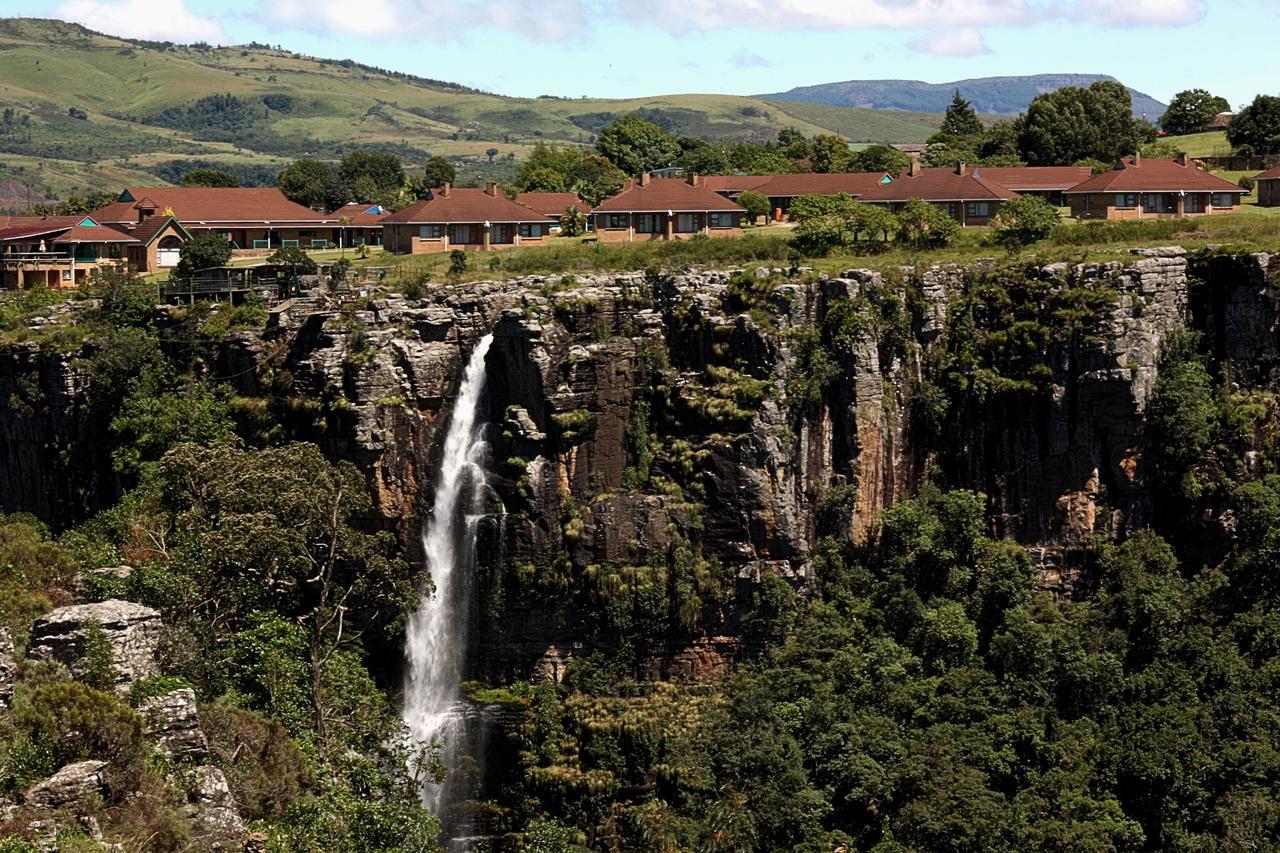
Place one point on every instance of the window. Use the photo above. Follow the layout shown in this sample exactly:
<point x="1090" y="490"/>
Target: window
<point x="651" y="223"/>
<point x="977" y="208"/>
<point x="319" y="243"/>
<point x="430" y="232"/>
<point x="1193" y="203"/>
<point x="721" y="220"/>
<point x="262" y="244"/>
<point x="1224" y="199"/>
<point x="1154" y="202"/>
<point x="617" y="220"/>
<point x="287" y="243"/>
<point x="1126" y="199"/>
<point x="685" y="223"/>
<point x="530" y="229"/>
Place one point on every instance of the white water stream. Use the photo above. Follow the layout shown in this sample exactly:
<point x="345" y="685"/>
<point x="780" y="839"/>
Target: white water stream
<point x="437" y="631"/>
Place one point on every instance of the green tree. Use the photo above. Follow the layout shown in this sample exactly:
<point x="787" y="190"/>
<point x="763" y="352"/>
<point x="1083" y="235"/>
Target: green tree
<point x="371" y="176"/>
<point x="1023" y="220"/>
<point x="1191" y="109"/>
<point x="312" y="183"/>
<point x="437" y="172"/>
<point x="756" y="205"/>
<point x="1180" y="418"/>
<point x="634" y="144"/>
<point x="960" y="122"/>
<point x="1071" y="124"/>
<point x="553" y="168"/>
<point x="202" y="252"/>
<point x="1256" y="128"/>
<point x="202" y="177"/>
<point x="277" y="529"/>
<point x="881" y="158"/>
<point x="295" y="258"/>
<point x="830" y="153"/>
<point x="923" y="225"/>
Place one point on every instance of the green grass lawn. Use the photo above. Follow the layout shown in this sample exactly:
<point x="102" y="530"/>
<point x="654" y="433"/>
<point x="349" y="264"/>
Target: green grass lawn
<point x="1211" y="144"/>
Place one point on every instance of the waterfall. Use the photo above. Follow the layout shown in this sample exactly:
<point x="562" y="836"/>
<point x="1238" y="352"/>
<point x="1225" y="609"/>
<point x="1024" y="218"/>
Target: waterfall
<point x="437" y="631"/>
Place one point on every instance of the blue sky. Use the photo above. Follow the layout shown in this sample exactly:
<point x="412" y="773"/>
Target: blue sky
<point x="627" y="48"/>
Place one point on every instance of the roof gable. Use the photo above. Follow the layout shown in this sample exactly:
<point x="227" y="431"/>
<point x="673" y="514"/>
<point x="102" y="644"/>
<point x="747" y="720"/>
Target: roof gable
<point x="662" y="195"/>
<point x="1136" y="175"/>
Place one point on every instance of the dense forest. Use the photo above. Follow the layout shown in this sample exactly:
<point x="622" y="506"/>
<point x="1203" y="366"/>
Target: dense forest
<point x="960" y="559"/>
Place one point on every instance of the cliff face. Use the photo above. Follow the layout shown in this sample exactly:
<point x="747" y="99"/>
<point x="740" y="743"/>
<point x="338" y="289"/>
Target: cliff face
<point x="663" y="445"/>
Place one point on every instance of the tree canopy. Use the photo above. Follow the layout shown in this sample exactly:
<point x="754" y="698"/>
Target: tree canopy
<point x="312" y="183"/>
<point x="203" y="177"/>
<point x="1256" y="128"/>
<point x="1192" y="109"/>
<point x="634" y="144"/>
<point x="1072" y="124"/>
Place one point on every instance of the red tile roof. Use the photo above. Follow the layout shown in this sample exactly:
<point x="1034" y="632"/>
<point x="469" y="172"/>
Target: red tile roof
<point x="212" y="206"/>
<point x="939" y="185"/>
<point x="93" y="234"/>
<point x="7" y="222"/>
<point x="464" y="206"/>
<point x="146" y="230"/>
<point x="1154" y="176"/>
<point x="735" y="183"/>
<point x="1269" y="175"/>
<point x="817" y="183"/>
<point x="666" y="194"/>
<point x="1034" y="178"/>
<point x="552" y="204"/>
<point x="361" y="215"/>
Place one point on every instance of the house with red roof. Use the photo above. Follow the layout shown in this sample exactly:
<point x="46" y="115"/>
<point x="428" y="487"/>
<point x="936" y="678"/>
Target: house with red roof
<point x="963" y="194"/>
<point x="470" y="219"/>
<point x="666" y="209"/>
<point x="553" y="205"/>
<point x="360" y="224"/>
<point x="1153" y="189"/>
<point x="781" y="190"/>
<point x="1268" y="186"/>
<point x="255" y="220"/>
<point x="1048" y="182"/>
<point x="66" y="251"/>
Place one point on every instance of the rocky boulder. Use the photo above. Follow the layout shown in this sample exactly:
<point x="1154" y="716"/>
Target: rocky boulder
<point x="132" y="630"/>
<point x="8" y="667"/>
<point x="72" y="784"/>
<point x="173" y="724"/>
<point x="216" y="816"/>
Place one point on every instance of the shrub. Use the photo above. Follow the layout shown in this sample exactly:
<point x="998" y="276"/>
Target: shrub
<point x="1245" y="183"/>
<point x="201" y="252"/>
<point x="73" y="721"/>
<point x="265" y="770"/>
<point x="756" y="205"/>
<point x="293" y="257"/>
<point x="457" y="262"/>
<point x="1024" y="220"/>
<point x="924" y="226"/>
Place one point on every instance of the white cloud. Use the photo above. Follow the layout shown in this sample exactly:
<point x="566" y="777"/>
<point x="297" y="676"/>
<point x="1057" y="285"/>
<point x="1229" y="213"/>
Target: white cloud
<point x="155" y="20"/>
<point x="435" y="20"/>
<point x="1140" y="13"/>
<point x="749" y="59"/>
<point x="683" y="16"/>
<point x="962" y="42"/>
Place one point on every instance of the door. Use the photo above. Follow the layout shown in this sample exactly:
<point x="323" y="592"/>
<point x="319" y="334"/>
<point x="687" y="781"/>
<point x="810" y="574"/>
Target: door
<point x="167" y="252"/>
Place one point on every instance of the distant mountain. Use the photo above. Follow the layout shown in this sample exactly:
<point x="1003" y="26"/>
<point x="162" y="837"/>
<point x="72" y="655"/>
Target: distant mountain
<point x="990" y="95"/>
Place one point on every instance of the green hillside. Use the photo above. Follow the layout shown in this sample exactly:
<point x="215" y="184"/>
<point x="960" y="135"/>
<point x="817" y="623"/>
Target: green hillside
<point x="84" y="111"/>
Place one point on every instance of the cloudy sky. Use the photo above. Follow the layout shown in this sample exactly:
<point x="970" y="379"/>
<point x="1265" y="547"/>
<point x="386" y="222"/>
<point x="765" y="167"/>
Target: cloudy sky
<point x="625" y="48"/>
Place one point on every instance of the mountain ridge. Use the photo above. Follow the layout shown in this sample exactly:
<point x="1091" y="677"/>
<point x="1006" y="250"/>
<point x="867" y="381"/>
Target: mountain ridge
<point x="1001" y="95"/>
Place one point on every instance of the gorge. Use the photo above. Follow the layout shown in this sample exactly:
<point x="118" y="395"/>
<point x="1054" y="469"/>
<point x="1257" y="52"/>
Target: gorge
<point x="896" y="498"/>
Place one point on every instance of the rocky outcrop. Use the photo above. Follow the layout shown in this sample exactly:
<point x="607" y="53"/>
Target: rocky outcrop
<point x="172" y="723"/>
<point x="72" y="784"/>
<point x="132" y="631"/>
<point x="215" y="815"/>
<point x="8" y="667"/>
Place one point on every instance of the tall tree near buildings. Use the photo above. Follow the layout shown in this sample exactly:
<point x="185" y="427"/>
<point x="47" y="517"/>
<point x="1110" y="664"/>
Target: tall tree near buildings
<point x="1191" y="109"/>
<point x="961" y="119"/>
<point x="1072" y="124"/>
<point x="634" y="144"/>
<point x="312" y="183"/>
<point x="830" y="153"/>
<point x="1256" y="128"/>
<point x="371" y="175"/>
<point x="438" y="172"/>
<point x="880" y="158"/>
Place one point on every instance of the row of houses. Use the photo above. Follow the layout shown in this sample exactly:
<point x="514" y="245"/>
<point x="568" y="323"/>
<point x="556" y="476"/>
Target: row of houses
<point x="145" y="228"/>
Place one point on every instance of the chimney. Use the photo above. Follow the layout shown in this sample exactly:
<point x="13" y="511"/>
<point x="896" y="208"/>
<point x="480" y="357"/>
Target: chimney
<point x="694" y="180"/>
<point x="1137" y="158"/>
<point x="1181" y="159"/>
<point x="644" y="179"/>
<point x="444" y="189"/>
<point x="491" y="188"/>
<point x="962" y="168"/>
<point x="914" y="169"/>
